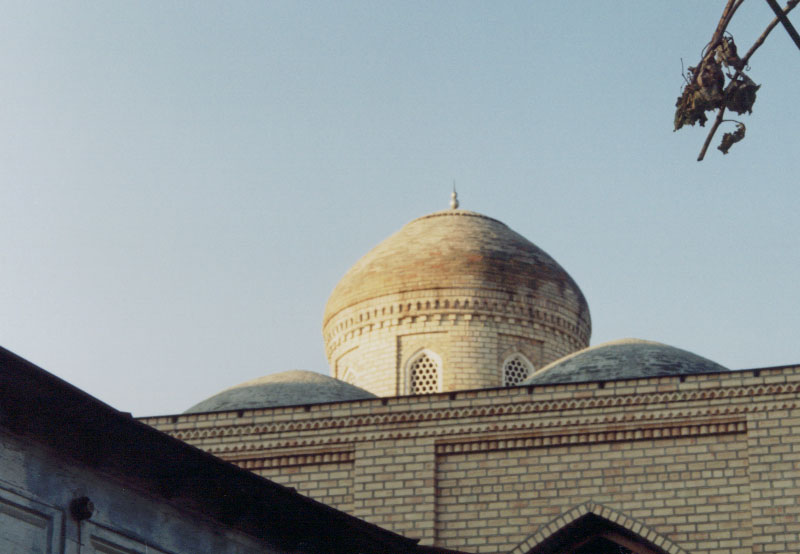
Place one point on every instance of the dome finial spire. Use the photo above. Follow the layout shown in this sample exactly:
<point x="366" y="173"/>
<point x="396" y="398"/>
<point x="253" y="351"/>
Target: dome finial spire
<point x="454" y="197"/>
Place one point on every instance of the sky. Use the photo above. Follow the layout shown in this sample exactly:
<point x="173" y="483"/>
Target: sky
<point x="182" y="184"/>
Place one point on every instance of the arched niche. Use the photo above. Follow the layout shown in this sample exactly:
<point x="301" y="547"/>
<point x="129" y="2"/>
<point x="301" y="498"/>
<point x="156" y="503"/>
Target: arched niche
<point x="596" y="529"/>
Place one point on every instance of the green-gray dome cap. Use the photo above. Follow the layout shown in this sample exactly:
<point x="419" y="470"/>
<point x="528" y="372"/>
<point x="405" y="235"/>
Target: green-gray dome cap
<point x="288" y="388"/>
<point x="623" y="359"/>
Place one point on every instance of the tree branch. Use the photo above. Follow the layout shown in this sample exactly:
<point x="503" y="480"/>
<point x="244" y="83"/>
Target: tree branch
<point x="710" y="136"/>
<point x="716" y="38"/>
<point x="786" y="23"/>
<point x="727" y="15"/>
<point x="790" y="5"/>
<point x="722" y="26"/>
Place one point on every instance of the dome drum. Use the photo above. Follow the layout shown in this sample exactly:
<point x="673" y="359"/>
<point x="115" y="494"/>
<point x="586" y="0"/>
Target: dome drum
<point x="434" y="307"/>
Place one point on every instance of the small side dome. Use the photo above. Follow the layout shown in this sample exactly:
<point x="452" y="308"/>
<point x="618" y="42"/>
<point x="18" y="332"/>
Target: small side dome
<point x="288" y="388"/>
<point x="623" y="359"/>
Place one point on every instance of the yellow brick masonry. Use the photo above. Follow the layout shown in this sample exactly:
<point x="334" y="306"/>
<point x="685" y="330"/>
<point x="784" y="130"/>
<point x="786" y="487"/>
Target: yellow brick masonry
<point x="329" y="483"/>
<point x="710" y="463"/>
<point x="394" y="483"/>
<point x="460" y="284"/>
<point x="774" y="475"/>
<point x="472" y="330"/>
<point x="508" y="493"/>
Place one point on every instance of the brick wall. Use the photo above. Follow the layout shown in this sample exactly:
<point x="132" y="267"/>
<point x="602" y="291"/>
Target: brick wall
<point x="774" y="475"/>
<point x="471" y="330"/>
<point x="331" y="483"/>
<point x="394" y="486"/>
<point x="694" y="490"/>
<point x="708" y="462"/>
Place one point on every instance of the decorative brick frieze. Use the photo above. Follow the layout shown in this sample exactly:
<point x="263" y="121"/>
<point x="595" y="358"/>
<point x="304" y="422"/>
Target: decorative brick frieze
<point x="495" y="419"/>
<point x="608" y="434"/>
<point x="264" y="459"/>
<point x="504" y="417"/>
<point x="356" y="321"/>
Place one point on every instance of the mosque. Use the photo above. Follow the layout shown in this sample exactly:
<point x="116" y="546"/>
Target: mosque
<point x="466" y="409"/>
<point x="465" y="412"/>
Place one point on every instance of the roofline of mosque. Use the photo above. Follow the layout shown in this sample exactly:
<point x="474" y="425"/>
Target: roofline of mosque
<point x="457" y="212"/>
<point x="454" y="395"/>
<point x="40" y="407"/>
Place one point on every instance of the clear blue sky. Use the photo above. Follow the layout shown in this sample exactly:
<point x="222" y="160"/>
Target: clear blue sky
<point x="182" y="184"/>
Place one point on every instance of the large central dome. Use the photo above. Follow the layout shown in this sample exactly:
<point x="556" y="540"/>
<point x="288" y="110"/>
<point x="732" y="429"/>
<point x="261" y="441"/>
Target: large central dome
<point x="445" y="303"/>
<point x="453" y="249"/>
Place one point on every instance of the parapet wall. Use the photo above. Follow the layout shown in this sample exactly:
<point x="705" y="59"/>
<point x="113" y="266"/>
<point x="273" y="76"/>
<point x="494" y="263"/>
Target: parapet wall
<point x="706" y="463"/>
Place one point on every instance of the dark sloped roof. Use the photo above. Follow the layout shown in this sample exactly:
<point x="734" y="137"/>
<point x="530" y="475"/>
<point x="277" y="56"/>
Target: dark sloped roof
<point x="40" y="407"/>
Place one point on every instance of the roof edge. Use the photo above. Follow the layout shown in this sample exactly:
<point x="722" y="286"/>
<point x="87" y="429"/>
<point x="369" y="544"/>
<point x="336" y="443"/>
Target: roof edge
<point x="177" y="472"/>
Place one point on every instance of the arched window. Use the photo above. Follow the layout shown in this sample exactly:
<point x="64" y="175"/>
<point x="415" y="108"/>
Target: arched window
<point x="424" y="372"/>
<point x="516" y="369"/>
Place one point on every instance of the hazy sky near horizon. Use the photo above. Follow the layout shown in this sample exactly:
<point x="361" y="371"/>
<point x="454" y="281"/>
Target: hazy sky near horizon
<point x="183" y="184"/>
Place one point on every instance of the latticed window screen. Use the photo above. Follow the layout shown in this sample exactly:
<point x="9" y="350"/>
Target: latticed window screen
<point x="515" y="371"/>
<point x="424" y="375"/>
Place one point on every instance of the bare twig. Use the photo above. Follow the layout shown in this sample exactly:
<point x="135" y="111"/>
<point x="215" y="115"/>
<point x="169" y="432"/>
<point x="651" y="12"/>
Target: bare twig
<point x="710" y="136"/>
<point x="760" y="40"/>
<point x="786" y="23"/>
<point x="730" y="8"/>
<point x="727" y="15"/>
<point x="683" y="72"/>
<point x="789" y="7"/>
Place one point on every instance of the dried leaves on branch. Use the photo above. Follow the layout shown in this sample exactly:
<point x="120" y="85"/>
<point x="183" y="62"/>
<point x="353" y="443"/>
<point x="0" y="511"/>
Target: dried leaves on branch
<point x="719" y="82"/>
<point x="706" y="91"/>
<point x="729" y="139"/>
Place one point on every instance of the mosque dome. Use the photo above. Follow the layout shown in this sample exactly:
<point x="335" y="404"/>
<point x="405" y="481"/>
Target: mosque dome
<point x="288" y="388"/>
<point x="461" y="290"/>
<point x="453" y="249"/>
<point x="623" y="359"/>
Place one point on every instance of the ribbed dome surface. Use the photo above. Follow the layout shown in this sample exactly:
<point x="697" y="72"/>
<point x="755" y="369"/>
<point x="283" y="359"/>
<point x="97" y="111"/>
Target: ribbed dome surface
<point x="453" y="249"/>
<point x="289" y="388"/>
<point x="623" y="359"/>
